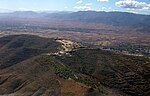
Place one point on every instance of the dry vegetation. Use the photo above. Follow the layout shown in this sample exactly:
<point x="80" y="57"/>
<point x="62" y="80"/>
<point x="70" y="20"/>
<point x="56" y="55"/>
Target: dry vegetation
<point x="94" y="33"/>
<point x="28" y="67"/>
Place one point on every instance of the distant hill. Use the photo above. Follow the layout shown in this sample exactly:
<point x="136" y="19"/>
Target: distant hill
<point x="32" y="14"/>
<point x="17" y="48"/>
<point x="22" y="14"/>
<point x="111" y="18"/>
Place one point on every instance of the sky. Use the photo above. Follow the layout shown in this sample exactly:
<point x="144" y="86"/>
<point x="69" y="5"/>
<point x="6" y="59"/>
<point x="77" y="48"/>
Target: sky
<point x="134" y="6"/>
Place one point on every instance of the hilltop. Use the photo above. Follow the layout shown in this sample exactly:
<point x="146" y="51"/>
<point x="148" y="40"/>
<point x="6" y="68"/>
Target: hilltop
<point x="27" y="69"/>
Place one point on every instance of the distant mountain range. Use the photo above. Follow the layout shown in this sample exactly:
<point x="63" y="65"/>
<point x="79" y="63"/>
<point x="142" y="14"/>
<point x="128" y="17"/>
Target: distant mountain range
<point x="32" y="14"/>
<point x="110" y="18"/>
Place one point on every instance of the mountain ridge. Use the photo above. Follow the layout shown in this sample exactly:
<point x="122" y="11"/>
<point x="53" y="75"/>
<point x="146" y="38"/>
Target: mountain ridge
<point x="136" y="21"/>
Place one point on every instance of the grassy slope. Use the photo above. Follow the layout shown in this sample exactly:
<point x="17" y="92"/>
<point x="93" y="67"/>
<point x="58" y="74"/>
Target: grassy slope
<point x="126" y="73"/>
<point x="15" y="49"/>
<point x="28" y="73"/>
<point x="105" y="72"/>
<point x="37" y="76"/>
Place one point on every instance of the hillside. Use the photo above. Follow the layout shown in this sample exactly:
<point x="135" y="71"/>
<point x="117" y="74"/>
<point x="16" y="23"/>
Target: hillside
<point x="25" y="72"/>
<point x="14" y="49"/>
<point x="37" y="77"/>
<point x="129" y="74"/>
<point x="111" y="18"/>
<point x="81" y="72"/>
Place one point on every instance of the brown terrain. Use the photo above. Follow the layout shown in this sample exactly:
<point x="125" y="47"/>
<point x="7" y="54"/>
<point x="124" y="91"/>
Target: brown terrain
<point x="93" y="33"/>
<point x="47" y="56"/>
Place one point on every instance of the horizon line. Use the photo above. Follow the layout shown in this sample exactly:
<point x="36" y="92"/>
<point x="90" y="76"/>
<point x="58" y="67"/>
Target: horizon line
<point x="57" y="11"/>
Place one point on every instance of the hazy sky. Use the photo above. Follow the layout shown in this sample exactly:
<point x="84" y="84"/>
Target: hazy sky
<point x="137" y="6"/>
